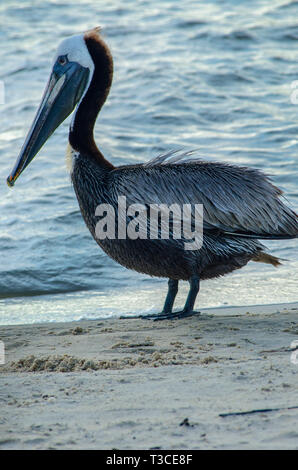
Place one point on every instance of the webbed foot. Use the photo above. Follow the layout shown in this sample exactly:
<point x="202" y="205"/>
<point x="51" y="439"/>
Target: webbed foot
<point x="174" y="315"/>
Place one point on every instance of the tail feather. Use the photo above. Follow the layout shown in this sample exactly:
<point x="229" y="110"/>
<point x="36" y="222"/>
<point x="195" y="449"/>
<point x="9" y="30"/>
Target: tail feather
<point x="262" y="257"/>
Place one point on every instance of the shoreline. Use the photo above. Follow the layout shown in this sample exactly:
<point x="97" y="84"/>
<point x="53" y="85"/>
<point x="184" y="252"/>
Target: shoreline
<point x="131" y="383"/>
<point x="228" y="310"/>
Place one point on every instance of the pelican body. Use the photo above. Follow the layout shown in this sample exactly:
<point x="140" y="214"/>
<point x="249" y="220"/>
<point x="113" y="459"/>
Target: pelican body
<point x="240" y="204"/>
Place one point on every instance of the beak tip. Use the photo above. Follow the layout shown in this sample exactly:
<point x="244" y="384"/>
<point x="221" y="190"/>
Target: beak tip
<point x="10" y="181"/>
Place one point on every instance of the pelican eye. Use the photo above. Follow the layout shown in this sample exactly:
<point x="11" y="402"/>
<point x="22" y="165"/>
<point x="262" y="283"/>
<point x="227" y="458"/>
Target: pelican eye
<point x="62" y="60"/>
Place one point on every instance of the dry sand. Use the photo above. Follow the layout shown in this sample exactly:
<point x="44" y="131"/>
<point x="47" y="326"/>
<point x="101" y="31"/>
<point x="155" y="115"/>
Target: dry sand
<point x="138" y="384"/>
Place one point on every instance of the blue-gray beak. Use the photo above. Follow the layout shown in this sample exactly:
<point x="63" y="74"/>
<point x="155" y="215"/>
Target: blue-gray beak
<point x="63" y="91"/>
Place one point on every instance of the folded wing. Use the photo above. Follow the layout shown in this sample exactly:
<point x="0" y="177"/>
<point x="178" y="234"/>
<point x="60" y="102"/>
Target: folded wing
<point x="237" y="200"/>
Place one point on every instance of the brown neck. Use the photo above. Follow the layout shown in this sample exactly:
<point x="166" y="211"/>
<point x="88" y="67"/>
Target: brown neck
<point x="81" y="136"/>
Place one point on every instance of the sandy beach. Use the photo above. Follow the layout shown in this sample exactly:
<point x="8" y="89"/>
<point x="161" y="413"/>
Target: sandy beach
<point x="196" y="383"/>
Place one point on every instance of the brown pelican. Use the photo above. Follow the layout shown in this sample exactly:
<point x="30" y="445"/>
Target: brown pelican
<point x="240" y="204"/>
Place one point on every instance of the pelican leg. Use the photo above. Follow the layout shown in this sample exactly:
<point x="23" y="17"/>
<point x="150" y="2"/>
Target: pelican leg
<point x="169" y="302"/>
<point x="170" y="298"/>
<point x="189" y="304"/>
<point x="192" y="295"/>
<point x="168" y="305"/>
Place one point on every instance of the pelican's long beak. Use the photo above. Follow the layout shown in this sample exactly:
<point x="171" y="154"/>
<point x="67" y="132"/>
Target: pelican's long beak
<point x="63" y="91"/>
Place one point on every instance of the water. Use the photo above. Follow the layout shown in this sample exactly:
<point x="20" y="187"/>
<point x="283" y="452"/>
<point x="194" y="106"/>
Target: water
<point x="210" y="75"/>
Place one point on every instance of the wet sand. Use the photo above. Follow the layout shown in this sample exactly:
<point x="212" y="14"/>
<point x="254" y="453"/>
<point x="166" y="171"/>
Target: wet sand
<point x="138" y="384"/>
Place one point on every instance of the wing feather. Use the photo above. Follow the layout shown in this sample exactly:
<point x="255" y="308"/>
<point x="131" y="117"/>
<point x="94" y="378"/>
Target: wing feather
<point x="236" y="200"/>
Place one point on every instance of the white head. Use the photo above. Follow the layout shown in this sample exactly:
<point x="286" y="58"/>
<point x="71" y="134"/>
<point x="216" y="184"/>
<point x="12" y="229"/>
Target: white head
<point x="75" y="49"/>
